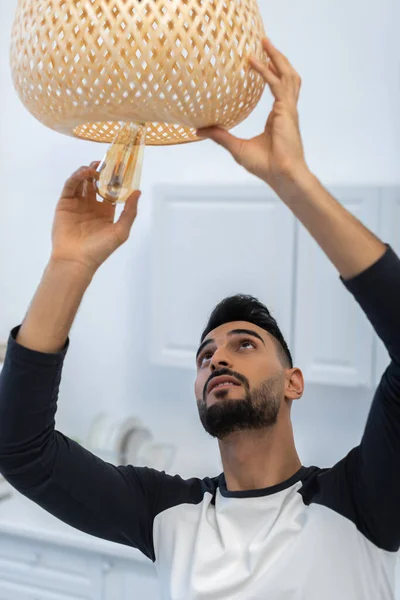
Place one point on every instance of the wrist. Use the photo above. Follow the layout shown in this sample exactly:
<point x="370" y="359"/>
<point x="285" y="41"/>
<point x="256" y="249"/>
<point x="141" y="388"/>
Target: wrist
<point x="71" y="269"/>
<point x="294" y="183"/>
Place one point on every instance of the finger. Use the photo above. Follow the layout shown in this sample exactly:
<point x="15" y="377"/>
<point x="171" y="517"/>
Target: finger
<point x="87" y="190"/>
<point x="267" y="71"/>
<point x="272" y="68"/>
<point x="272" y="79"/>
<point x="280" y="62"/>
<point x="124" y="224"/>
<point x="90" y="189"/>
<point x="81" y="189"/>
<point x="223" y="138"/>
<point x="74" y="183"/>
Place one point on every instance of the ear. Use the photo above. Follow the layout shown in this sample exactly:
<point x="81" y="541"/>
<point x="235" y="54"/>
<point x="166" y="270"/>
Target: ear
<point x="294" y="387"/>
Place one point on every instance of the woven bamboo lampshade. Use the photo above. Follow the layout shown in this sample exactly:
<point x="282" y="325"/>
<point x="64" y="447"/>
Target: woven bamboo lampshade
<point x="84" y="67"/>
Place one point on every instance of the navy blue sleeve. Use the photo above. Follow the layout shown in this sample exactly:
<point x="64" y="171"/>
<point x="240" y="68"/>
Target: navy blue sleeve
<point x="373" y="468"/>
<point x="68" y="481"/>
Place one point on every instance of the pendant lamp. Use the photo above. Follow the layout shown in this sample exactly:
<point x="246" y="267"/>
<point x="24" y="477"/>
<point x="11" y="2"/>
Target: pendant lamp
<point x="136" y="72"/>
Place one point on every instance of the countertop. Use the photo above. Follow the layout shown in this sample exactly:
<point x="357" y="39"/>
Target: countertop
<point x="21" y="517"/>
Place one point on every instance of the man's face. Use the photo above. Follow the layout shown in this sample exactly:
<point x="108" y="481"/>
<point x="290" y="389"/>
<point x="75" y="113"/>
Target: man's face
<point x="255" y="402"/>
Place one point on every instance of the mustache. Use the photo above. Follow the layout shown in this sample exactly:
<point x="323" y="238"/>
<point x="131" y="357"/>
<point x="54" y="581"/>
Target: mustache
<point x="222" y="372"/>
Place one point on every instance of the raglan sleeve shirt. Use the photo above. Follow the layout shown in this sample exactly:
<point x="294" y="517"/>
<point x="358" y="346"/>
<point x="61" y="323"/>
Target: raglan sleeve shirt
<point x="373" y="467"/>
<point x="119" y="503"/>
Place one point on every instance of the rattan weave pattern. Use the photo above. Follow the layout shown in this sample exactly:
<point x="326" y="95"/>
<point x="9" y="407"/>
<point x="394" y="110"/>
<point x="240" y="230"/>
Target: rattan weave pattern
<point x="83" y="66"/>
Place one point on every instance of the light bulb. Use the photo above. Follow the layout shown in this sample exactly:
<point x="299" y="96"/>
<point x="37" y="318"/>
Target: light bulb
<point x="121" y="169"/>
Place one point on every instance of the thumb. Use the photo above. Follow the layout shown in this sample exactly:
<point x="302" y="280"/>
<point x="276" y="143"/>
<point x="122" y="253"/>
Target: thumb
<point x="124" y="224"/>
<point x="223" y="138"/>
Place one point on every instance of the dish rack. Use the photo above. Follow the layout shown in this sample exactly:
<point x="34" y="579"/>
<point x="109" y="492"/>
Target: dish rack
<point x="124" y="441"/>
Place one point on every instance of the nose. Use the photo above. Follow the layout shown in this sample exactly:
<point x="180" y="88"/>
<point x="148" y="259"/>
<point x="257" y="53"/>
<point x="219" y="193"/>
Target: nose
<point x="220" y="359"/>
<point x="219" y="365"/>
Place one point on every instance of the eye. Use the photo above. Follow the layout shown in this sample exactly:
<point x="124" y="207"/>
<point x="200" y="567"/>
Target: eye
<point x="200" y="360"/>
<point x="248" y="342"/>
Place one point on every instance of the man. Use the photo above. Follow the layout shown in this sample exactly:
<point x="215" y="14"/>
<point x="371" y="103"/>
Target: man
<point x="267" y="527"/>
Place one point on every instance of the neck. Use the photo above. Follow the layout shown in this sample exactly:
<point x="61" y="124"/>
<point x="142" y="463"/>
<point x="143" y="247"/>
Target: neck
<point x="255" y="460"/>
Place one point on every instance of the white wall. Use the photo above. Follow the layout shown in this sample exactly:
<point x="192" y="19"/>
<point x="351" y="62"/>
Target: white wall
<point x="348" y="55"/>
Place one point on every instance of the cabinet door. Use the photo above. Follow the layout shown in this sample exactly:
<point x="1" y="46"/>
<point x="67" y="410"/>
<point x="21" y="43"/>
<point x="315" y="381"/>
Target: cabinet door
<point x="49" y="571"/>
<point x="120" y="577"/>
<point x="210" y="242"/>
<point x="390" y="234"/>
<point x="333" y="337"/>
<point x="17" y="591"/>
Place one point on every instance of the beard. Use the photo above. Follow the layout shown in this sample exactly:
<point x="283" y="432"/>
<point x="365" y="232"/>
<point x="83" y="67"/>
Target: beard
<point x="257" y="409"/>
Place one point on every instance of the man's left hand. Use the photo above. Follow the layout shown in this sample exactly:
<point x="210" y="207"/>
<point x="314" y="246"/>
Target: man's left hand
<point x="278" y="152"/>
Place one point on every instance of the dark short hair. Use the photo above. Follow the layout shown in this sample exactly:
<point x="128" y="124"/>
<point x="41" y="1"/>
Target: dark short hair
<point x="242" y="307"/>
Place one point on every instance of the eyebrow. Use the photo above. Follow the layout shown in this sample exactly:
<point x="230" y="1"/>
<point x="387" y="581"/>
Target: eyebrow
<point x="230" y="333"/>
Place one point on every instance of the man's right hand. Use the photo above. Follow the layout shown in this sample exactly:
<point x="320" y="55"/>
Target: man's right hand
<point x="84" y="232"/>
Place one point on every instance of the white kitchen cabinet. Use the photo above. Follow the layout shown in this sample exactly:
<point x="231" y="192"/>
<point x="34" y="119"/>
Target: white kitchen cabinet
<point x="10" y="591"/>
<point x="389" y="232"/>
<point x="36" y="571"/>
<point x="122" y="582"/>
<point x="32" y="570"/>
<point x="333" y="338"/>
<point x="213" y="241"/>
<point x="210" y="242"/>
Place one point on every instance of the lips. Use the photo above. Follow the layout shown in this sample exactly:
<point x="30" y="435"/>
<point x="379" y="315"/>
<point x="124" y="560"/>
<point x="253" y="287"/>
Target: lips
<point x="223" y="379"/>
